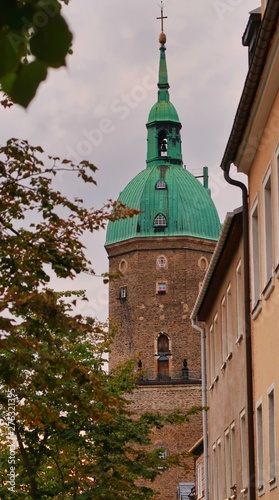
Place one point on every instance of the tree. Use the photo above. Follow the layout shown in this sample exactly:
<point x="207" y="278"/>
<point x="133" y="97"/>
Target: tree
<point x="66" y="431"/>
<point x="34" y="36"/>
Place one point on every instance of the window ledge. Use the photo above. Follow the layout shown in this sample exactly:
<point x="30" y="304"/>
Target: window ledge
<point x="269" y="287"/>
<point x="261" y="489"/>
<point x="256" y="309"/>
<point x="244" y="491"/>
<point x="229" y="357"/>
<point x="239" y="340"/>
<point x="272" y="483"/>
<point x="223" y="367"/>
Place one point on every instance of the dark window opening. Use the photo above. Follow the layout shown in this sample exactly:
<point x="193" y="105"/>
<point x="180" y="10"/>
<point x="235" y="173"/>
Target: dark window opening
<point x="162" y="143"/>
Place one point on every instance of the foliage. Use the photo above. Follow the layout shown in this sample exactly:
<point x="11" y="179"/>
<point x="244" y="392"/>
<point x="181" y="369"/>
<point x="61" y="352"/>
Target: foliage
<point x="34" y="37"/>
<point x="75" y="436"/>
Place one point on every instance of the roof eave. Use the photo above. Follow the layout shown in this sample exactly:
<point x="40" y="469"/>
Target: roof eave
<point x="226" y="228"/>
<point x="251" y="84"/>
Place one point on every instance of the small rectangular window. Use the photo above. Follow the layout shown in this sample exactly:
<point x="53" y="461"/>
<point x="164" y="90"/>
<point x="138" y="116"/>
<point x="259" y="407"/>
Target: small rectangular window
<point x="161" y="288"/>
<point x="123" y="292"/>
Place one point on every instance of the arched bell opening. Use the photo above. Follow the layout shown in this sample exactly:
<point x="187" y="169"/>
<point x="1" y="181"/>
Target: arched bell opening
<point x="162" y="143"/>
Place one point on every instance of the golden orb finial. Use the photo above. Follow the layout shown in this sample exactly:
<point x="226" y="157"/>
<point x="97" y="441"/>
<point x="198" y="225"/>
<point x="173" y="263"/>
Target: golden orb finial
<point x="162" y="38"/>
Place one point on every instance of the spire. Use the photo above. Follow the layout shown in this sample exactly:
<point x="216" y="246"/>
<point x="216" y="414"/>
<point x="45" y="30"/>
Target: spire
<point x="163" y="126"/>
<point x="163" y="85"/>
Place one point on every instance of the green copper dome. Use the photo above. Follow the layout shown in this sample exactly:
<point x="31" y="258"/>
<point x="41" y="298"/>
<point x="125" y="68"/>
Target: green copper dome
<point x="183" y="205"/>
<point x="163" y="111"/>
<point x="171" y="200"/>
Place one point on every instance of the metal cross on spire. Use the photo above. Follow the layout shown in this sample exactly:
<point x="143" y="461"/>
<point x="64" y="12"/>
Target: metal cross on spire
<point x="162" y="17"/>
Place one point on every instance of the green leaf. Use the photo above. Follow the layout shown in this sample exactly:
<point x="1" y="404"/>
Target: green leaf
<point x="26" y="83"/>
<point x="7" y="82"/>
<point x="6" y="8"/>
<point x="52" y="41"/>
<point x="10" y="53"/>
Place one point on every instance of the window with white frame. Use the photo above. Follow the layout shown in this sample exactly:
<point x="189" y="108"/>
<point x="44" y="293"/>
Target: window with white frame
<point x="161" y="184"/>
<point x="227" y="463"/>
<point x="213" y="347"/>
<point x="216" y="346"/>
<point x="229" y="319"/>
<point x="161" y="288"/>
<point x="268" y="225"/>
<point x="224" y="329"/>
<point x="199" y="480"/>
<point x="123" y="292"/>
<point x="211" y="354"/>
<point x="255" y="254"/>
<point x="214" y="472"/>
<point x="260" y="455"/>
<point x="160" y="220"/>
<point x="277" y="197"/>
<point x="233" y="455"/>
<point x="239" y="302"/>
<point x="271" y="439"/>
<point x="162" y="453"/>
<point x="244" y="450"/>
<point x="219" y="472"/>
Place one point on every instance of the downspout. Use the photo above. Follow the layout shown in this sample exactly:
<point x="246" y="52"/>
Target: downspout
<point x="248" y="339"/>
<point x="204" y="404"/>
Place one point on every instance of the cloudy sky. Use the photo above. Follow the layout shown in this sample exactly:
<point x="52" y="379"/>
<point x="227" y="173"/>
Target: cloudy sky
<point x="97" y="107"/>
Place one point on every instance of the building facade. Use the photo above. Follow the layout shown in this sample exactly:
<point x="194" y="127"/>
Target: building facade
<point x="256" y="153"/>
<point x="162" y="254"/>
<point x="253" y="146"/>
<point x="220" y="306"/>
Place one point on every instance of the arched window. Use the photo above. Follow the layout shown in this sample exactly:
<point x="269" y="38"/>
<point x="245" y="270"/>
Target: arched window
<point x="162" y="143"/>
<point x="163" y="344"/>
<point x="160" y="221"/>
<point x="161" y="185"/>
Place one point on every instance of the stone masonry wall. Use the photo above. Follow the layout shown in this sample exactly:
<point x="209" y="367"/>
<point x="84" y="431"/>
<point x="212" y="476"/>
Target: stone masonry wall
<point x="143" y="315"/>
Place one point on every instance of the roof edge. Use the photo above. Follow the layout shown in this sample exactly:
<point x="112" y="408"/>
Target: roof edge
<point x="214" y="261"/>
<point x="266" y="31"/>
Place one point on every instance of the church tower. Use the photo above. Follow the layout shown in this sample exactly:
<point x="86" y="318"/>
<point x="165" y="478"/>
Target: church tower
<point x="162" y="253"/>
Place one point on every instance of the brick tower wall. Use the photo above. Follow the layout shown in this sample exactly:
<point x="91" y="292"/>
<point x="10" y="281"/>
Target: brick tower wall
<point x="143" y="315"/>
